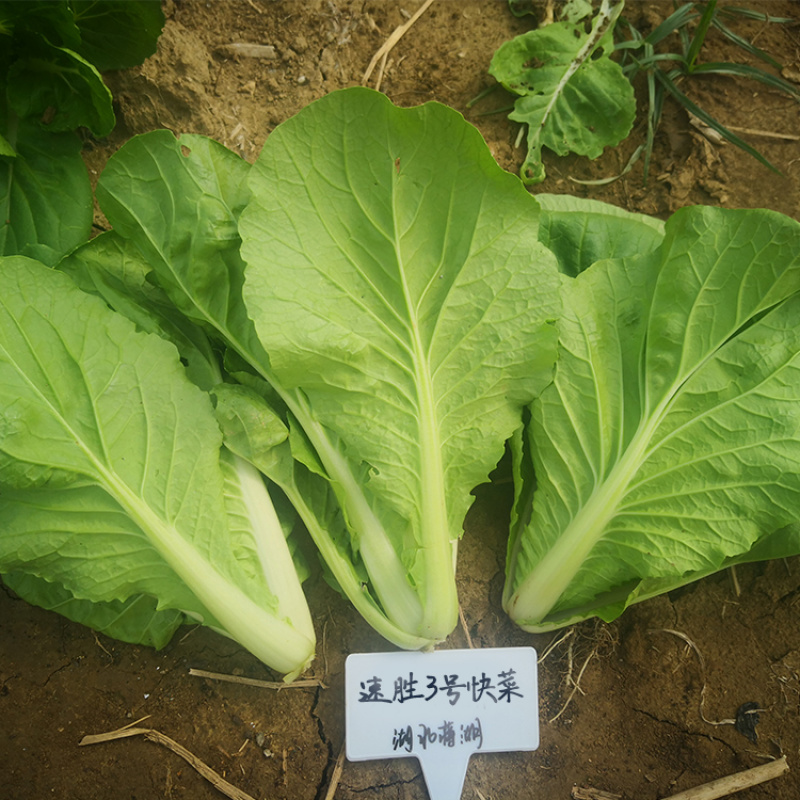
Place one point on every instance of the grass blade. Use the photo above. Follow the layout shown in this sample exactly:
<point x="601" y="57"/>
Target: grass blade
<point x="700" y="34"/>
<point x="671" y="87"/>
<point x="746" y="45"/>
<point x="748" y="13"/>
<point x="674" y="22"/>
<point x="746" y="71"/>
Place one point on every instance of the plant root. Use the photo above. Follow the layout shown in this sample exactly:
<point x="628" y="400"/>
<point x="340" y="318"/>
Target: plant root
<point x="691" y="645"/>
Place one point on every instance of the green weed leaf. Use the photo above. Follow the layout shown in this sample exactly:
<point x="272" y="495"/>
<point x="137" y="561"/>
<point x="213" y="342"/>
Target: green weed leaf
<point x="573" y="97"/>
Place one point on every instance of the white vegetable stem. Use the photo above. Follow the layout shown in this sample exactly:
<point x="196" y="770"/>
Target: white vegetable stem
<point x="273" y="554"/>
<point x="542" y="587"/>
<point x="389" y="576"/>
<point x="440" y="610"/>
<point x="275" y="641"/>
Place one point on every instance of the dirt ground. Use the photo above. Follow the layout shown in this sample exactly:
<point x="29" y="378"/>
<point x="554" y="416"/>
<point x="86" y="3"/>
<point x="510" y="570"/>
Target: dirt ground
<point x="630" y="708"/>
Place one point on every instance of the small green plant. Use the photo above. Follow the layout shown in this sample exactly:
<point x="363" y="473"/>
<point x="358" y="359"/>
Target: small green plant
<point x="664" y="71"/>
<point x="575" y="99"/>
<point x="51" y="56"/>
<point x="572" y="96"/>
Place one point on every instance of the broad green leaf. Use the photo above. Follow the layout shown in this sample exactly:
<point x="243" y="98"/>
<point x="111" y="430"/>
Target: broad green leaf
<point x="395" y="279"/>
<point x="45" y="194"/>
<point x="137" y="620"/>
<point x="178" y="201"/>
<point x="60" y="90"/>
<point x="581" y="231"/>
<point x="30" y="21"/>
<point x="116" y="456"/>
<point x="117" y="34"/>
<point x="115" y="269"/>
<point x="667" y="447"/>
<point x="573" y="97"/>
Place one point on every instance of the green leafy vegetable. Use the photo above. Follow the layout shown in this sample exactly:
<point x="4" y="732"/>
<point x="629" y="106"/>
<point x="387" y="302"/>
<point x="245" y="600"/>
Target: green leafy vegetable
<point x="45" y="194"/>
<point x="572" y="96"/>
<point x="114" y="485"/>
<point x="137" y="620"/>
<point x="363" y="317"/>
<point x="667" y="447"/>
<point x="411" y="302"/>
<point x="51" y="52"/>
<point x="397" y="285"/>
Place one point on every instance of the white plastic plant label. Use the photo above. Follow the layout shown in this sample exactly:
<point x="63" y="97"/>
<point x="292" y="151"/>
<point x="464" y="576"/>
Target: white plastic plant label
<point x="440" y="708"/>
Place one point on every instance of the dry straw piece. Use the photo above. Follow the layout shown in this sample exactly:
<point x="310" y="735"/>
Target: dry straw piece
<point x="214" y="778"/>
<point x="731" y="784"/>
<point x="383" y="52"/>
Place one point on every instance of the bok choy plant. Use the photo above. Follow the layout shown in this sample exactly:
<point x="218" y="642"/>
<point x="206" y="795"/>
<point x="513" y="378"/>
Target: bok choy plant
<point x="391" y="305"/>
<point x="366" y="316"/>
<point x="119" y="507"/>
<point x="668" y="446"/>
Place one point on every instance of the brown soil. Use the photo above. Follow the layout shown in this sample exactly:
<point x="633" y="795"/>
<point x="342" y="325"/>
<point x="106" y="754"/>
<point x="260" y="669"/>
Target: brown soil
<point x="645" y="720"/>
